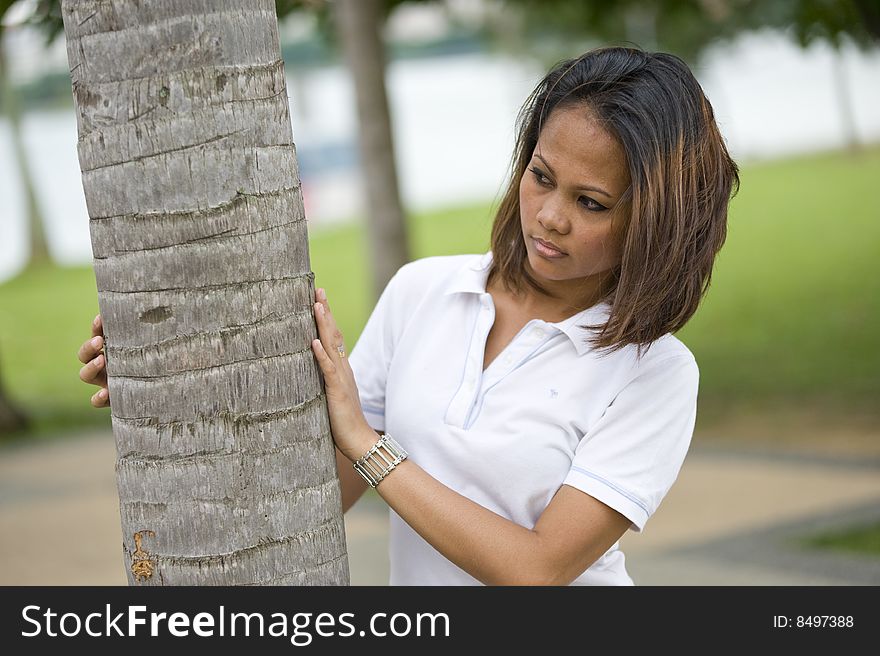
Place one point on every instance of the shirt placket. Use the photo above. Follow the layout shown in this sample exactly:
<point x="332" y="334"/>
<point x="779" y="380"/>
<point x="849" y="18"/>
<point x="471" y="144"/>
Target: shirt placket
<point x="522" y="347"/>
<point x="466" y="395"/>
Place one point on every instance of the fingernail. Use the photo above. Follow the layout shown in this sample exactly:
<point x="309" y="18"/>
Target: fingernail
<point x="99" y="361"/>
<point x="322" y="294"/>
<point x="95" y="320"/>
<point x="96" y="342"/>
<point x="102" y="394"/>
<point x="320" y="309"/>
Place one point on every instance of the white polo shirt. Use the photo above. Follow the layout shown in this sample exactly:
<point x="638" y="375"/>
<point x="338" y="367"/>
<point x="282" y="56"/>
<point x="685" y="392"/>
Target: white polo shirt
<point x="548" y="411"/>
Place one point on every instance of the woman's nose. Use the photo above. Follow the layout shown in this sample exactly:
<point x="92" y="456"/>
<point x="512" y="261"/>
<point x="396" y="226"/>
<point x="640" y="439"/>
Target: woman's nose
<point x="552" y="216"/>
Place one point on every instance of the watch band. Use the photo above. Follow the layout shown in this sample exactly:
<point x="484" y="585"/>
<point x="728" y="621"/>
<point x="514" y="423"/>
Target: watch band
<point x="382" y="457"/>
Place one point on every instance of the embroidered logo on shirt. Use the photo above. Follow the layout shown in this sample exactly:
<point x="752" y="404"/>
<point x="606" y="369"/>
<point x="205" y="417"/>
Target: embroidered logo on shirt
<point x="553" y="393"/>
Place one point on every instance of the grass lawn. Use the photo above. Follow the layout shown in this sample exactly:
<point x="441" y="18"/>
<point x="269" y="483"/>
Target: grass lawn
<point x="793" y="313"/>
<point x="790" y="322"/>
<point x="860" y="539"/>
<point x="45" y="314"/>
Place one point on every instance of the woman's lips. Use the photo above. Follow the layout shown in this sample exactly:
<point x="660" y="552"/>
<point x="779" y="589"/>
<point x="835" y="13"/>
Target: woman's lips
<point x="546" y="249"/>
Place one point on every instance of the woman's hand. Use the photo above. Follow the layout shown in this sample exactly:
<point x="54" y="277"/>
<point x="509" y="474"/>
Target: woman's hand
<point x="351" y="432"/>
<point x="94" y="372"/>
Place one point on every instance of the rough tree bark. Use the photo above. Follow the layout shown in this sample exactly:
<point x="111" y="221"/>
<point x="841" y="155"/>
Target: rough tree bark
<point x="359" y="23"/>
<point x="226" y="468"/>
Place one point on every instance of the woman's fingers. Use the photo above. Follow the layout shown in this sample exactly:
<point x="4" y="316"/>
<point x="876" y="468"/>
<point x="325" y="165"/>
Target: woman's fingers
<point x="328" y="368"/>
<point x="321" y="295"/>
<point x="329" y="333"/>
<point x="93" y="372"/>
<point x="101" y="398"/>
<point x="90" y="349"/>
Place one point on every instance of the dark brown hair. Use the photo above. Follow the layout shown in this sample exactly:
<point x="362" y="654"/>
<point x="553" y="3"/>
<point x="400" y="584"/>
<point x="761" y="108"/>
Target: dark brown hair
<point x="682" y="179"/>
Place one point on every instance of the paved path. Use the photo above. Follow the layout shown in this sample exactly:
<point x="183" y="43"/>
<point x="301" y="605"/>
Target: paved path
<point x="732" y="518"/>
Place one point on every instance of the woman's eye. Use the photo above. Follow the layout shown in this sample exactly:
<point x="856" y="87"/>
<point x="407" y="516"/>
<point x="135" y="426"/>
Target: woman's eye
<point x="591" y="205"/>
<point x="540" y="177"/>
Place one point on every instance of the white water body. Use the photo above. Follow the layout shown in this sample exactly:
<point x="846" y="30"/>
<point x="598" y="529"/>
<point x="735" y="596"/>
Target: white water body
<point x="454" y="130"/>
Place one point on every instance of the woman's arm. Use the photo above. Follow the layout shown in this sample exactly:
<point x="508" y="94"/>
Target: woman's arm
<point x="351" y="483"/>
<point x="572" y="532"/>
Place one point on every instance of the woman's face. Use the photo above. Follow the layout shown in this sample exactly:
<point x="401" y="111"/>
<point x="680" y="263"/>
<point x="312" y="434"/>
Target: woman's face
<point x="572" y="221"/>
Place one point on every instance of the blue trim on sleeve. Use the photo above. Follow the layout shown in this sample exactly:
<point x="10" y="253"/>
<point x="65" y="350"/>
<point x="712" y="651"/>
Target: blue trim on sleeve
<point x="614" y="487"/>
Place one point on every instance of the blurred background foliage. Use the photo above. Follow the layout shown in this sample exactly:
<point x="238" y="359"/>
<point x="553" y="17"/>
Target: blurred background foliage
<point x="786" y="337"/>
<point x="789" y="325"/>
<point x="549" y="30"/>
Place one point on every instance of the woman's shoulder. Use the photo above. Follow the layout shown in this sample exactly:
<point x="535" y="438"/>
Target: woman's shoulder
<point x="669" y="347"/>
<point x="668" y="358"/>
<point x="665" y="358"/>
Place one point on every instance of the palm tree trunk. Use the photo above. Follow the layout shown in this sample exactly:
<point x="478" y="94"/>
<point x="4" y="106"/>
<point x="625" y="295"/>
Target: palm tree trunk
<point x="226" y="468"/>
<point x="358" y="23"/>
<point x="843" y="95"/>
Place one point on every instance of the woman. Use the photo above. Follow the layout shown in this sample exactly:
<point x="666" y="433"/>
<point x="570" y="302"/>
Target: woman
<point x="535" y="401"/>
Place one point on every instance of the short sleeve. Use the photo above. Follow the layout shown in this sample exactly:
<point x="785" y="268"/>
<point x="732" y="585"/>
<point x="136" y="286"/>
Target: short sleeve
<point x="633" y="454"/>
<point x="371" y="356"/>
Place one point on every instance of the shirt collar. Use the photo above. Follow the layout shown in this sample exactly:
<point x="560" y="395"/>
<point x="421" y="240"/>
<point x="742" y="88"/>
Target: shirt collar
<point x="471" y="278"/>
<point x="592" y="316"/>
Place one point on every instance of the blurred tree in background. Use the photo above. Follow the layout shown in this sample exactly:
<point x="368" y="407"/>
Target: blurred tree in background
<point x="11" y="417"/>
<point x="547" y="28"/>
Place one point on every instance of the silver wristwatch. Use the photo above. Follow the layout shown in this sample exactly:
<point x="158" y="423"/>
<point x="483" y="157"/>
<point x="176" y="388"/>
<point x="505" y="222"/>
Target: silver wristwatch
<point x="382" y="457"/>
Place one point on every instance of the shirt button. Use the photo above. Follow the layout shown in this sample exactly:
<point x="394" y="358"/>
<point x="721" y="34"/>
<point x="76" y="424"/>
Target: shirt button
<point x="538" y="332"/>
